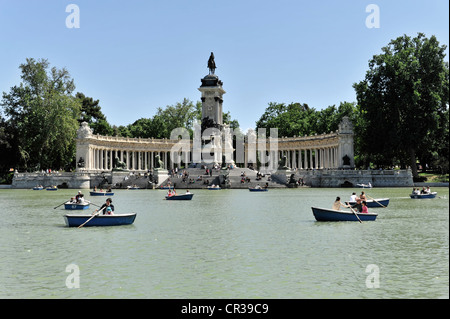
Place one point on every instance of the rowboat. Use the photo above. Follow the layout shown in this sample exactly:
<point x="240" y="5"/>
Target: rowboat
<point x="38" y="188"/>
<point x="331" y="215"/>
<point x="374" y="203"/>
<point x="180" y="197"/>
<point x="76" y="206"/>
<point x="100" y="220"/>
<point x="254" y="189"/>
<point x="369" y="185"/>
<point x="213" y="188"/>
<point x="53" y="188"/>
<point x="133" y="187"/>
<point x="423" y="196"/>
<point x="99" y="193"/>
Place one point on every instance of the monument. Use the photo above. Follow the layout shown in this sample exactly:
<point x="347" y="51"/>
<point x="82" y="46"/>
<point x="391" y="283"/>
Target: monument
<point x="160" y="173"/>
<point x="213" y="130"/>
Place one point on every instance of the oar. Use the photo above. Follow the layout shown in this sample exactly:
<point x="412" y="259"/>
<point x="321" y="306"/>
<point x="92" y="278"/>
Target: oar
<point x="91" y="217"/>
<point x="59" y="205"/>
<point x="94" y="204"/>
<point x="376" y="201"/>
<point x="356" y="215"/>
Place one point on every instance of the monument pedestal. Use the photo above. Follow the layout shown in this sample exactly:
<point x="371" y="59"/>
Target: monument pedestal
<point x="118" y="176"/>
<point x="282" y="176"/>
<point x="160" y="175"/>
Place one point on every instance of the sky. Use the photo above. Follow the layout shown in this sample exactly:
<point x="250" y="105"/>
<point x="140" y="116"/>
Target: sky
<point x="135" y="55"/>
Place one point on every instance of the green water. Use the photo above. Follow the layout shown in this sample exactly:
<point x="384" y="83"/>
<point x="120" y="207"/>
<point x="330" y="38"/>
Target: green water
<point x="225" y="244"/>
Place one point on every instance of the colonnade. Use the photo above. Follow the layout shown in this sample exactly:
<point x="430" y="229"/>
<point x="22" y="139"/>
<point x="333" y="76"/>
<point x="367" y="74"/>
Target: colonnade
<point x="312" y="158"/>
<point x="102" y="158"/>
<point x="326" y="151"/>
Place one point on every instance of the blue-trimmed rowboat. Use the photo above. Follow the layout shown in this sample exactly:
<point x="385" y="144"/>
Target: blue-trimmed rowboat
<point x="100" y="220"/>
<point x="213" y="188"/>
<point x="76" y="206"/>
<point x="254" y="189"/>
<point x="98" y="193"/>
<point x="38" y="188"/>
<point x="51" y="188"/>
<point x="180" y="197"/>
<point x="331" y="215"/>
<point x="423" y="196"/>
<point x="374" y="203"/>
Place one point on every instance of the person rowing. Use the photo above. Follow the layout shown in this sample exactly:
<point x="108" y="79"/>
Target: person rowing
<point x="337" y="204"/>
<point x="105" y="206"/>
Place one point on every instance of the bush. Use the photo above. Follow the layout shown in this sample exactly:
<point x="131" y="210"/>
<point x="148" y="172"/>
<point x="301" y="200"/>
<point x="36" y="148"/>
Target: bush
<point x="419" y="179"/>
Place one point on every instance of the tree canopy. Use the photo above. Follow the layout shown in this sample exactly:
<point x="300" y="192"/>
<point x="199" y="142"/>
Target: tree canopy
<point x="296" y="119"/>
<point x="41" y="117"/>
<point x="403" y="102"/>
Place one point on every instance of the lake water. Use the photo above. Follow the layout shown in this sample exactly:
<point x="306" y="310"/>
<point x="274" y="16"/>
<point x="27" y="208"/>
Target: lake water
<point x="225" y="244"/>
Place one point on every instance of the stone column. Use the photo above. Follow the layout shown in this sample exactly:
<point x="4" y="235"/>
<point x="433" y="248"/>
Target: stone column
<point x="300" y="166"/>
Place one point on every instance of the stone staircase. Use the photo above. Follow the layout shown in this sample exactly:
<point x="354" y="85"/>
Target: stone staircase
<point x="197" y="179"/>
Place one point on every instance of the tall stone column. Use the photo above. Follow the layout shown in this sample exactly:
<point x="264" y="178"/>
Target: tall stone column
<point x="83" y="156"/>
<point x="212" y="113"/>
<point x="346" y="156"/>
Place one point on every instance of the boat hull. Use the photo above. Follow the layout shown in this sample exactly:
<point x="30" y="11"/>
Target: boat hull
<point x="258" y="189"/>
<point x="364" y="185"/>
<point x="180" y="197"/>
<point x="76" y="206"/>
<point x="100" y="220"/>
<point x="101" y="194"/>
<point x="423" y="196"/>
<point x="377" y="202"/>
<point x="331" y="215"/>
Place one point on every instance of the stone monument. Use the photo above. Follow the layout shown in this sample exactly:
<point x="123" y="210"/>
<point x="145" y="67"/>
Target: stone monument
<point x="212" y="125"/>
<point x="346" y="154"/>
<point x="160" y="174"/>
<point x="84" y="133"/>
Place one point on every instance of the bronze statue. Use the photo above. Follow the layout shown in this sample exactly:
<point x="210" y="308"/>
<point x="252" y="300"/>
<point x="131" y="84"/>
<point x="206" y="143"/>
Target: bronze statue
<point x="119" y="165"/>
<point x="159" y="165"/>
<point x="282" y="163"/>
<point x="81" y="163"/>
<point x="211" y="64"/>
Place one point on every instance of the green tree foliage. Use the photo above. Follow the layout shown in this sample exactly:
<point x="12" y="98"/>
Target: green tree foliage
<point x="91" y="113"/>
<point x="41" y="117"/>
<point x="298" y="119"/>
<point x="182" y="114"/>
<point x="403" y="102"/>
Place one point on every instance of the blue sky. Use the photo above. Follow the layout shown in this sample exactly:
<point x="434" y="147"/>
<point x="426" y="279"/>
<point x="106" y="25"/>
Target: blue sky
<point x="136" y="55"/>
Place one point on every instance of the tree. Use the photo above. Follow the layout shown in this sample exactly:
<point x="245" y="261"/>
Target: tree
<point x="91" y="112"/>
<point x="42" y="116"/>
<point x="403" y="99"/>
<point x="298" y="119"/>
<point x="182" y="114"/>
<point x="292" y="119"/>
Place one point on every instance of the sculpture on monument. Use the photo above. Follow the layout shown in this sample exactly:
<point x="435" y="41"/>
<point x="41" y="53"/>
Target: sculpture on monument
<point x="282" y="163"/>
<point x="211" y="64"/>
<point x="159" y="165"/>
<point x="81" y="163"/>
<point x="119" y="165"/>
